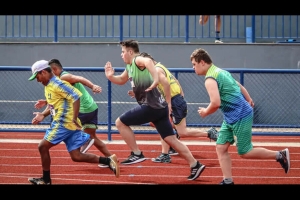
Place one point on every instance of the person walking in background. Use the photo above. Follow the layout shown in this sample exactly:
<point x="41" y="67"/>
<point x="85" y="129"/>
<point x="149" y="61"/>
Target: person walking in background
<point x="88" y="111"/>
<point x="233" y="99"/>
<point x="152" y="107"/>
<point x="203" y="20"/>
<point x="63" y="102"/>
<point x="172" y="91"/>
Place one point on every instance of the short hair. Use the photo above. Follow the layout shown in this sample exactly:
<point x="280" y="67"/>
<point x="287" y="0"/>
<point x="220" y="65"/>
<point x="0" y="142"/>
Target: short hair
<point x="201" y="54"/>
<point x="133" y="44"/>
<point x="146" y="55"/>
<point x="48" y="69"/>
<point x="55" y="61"/>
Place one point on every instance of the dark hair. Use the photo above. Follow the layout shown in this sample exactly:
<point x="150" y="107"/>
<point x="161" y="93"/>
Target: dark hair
<point x="201" y="54"/>
<point x="48" y="69"/>
<point x="147" y="55"/>
<point x="55" y="61"/>
<point x="133" y="44"/>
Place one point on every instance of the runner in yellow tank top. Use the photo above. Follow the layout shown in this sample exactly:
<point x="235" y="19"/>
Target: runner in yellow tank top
<point x="171" y="89"/>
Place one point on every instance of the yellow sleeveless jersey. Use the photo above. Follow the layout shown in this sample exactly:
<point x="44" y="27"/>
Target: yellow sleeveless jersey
<point x="60" y="96"/>
<point x="175" y="88"/>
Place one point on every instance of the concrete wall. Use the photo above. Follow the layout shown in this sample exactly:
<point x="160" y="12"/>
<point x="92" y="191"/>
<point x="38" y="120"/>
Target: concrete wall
<point x="174" y="55"/>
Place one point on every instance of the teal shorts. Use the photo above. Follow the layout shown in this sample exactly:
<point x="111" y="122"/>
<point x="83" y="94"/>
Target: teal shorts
<point x="239" y="132"/>
<point x="73" y="139"/>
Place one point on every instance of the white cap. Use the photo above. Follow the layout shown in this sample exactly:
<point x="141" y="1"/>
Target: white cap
<point x="38" y="66"/>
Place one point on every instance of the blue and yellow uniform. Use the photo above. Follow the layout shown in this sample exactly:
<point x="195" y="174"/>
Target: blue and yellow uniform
<point x="88" y="110"/>
<point x="60" y="96"/>
<point x="238" y="114"/>
<point x="178" y="103"/>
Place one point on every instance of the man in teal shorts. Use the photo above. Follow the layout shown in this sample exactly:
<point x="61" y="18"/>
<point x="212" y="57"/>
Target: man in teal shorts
<point x="237" y="107"/>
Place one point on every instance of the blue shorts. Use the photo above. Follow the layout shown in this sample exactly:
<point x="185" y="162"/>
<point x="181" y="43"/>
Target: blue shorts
<point x="143" y="114"/>
<point x="89" y="120"/>
<point x="73" y="139"/>
<point x="179" y="109"/>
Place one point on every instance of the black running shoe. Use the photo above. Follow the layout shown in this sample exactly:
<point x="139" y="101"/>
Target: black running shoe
<point x="132" y="159"/>
<point x="212" y="134"/>
<point x="39" y="181"/>
<point x="196" y="171"/>
<point x="285" y="160"/>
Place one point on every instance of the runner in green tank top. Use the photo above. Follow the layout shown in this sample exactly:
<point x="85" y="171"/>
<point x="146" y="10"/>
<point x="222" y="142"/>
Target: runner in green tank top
<point x="152" y="107"/>
<point x="228" y="95"/>
<point x="171" y="89"/>
<point x="88" y="111"/>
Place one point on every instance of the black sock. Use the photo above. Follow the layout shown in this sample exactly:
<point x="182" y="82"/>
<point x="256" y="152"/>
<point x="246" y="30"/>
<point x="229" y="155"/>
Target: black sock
<point x="217" y="35"/>
<point x="46" y="176"/>
<point x="104" y="160"/>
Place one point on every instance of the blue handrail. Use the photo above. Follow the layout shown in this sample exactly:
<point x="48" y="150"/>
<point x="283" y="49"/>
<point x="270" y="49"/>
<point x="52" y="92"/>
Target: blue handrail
<point x="150" y="27"/>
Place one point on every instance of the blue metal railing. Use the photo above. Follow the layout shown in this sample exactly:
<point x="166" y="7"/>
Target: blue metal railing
<point x="284" y="116"/>
<point x="182" y="28"/>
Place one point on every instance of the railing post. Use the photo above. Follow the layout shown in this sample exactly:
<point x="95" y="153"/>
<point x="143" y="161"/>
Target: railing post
<point x="55" y="28"/>
<point x="186" y="29"/>
<point x="121" y="28"/>
<point x="253" y="28"/>
<point x="242" y="77"/>
<point x="109" y="109"/>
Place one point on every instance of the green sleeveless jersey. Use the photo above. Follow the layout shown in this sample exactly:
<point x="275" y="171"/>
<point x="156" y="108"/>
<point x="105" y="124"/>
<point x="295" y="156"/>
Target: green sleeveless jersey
<point x="140" y="80"/>
<point x="87" y="103"/>
<point x="233" y="103"/>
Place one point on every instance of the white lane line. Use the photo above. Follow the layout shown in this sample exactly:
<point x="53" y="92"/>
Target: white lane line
<point x="147" y="142"/>
<point x="17" y="175"/>
<point x="81" y="180"/>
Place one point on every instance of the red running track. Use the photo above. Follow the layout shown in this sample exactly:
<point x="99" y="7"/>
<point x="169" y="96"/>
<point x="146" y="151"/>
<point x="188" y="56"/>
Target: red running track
<point x="21" y="160"/>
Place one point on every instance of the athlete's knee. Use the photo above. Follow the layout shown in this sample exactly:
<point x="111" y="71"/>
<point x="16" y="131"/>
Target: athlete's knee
<point x="168" y="138"/>
<point x="75" y="156"/>
<point x="119" y="123"/>
<point x="182" y="133"/>
<point x="222" y="148"/>
<point x="99" y="143"/>
<point x="245" y="153"/>
<point x="43" y="147"/>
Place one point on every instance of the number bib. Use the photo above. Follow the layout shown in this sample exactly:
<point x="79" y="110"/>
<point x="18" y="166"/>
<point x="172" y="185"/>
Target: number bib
<point x="52" y="110"/>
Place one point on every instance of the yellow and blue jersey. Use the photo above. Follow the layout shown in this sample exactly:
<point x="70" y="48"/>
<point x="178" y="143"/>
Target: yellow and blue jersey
<point x="60" y="96"/>
<point x="174" y="86"/>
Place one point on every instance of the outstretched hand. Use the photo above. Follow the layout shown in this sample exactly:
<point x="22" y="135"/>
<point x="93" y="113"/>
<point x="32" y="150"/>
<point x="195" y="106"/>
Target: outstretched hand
<point x="40" y="103"/>
<point x="38" y="118"/>
<point x="109" y="70"/>
<point x="78" y="127"/>
<point x="96" y="89"/>
<point x="151" y="87"/>
<point x="202" y="112"/>
<point x="131" y="93"/>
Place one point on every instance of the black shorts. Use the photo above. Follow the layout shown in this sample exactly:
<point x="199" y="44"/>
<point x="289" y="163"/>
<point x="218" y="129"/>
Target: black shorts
<point x="89" y="118"/>
<point x="143" y="114"/>
<point x="179" y="109"/>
